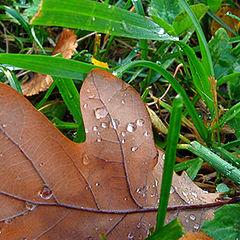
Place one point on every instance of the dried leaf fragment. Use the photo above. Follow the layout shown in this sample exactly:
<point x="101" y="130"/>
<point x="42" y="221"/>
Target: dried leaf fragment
<point x="66" y="45"/>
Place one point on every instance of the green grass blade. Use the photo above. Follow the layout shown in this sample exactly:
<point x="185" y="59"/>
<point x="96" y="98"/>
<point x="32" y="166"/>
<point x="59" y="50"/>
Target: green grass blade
<point x="47" y="95"/>
<point x="12" y="79"/>
<point x="70" y="96"/>
<point x="227" y="155"/>
<point x="230" y="77"/>
<point x="19" y="18"/>
<point x="206" y="56"/>
<point x="178" y="88"/>
<point x="54" y="66"/>
<point x="100" y="17"/>
<point x="170" y="156"/>
<point x="215" y="161"/>
<point x="172" y="231"/>
<point x="200" y="78"/>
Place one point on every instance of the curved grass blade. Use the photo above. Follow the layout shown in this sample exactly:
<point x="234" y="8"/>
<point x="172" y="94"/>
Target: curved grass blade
<point x="178" y="88"/>
<point x="12" y="79"/>
<point x="206" y="56"/>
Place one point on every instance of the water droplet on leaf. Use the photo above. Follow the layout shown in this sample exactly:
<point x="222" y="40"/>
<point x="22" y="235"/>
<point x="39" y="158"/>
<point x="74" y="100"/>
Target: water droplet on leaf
<point x="131" y="127"/>
<point x="134" y="149"/>
<point x="140" y="122"/>
<point x="104" y="125"/>
<point x="95" y="128"/>
<point x="192" y="217"/>
<point x="85" y="159"/>
<point x="101" y="113"/>
<point x="45" y="193"/>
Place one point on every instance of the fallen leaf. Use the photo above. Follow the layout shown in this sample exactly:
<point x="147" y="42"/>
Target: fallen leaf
<point x="66" y="45"/>
<point x="53" y="188"/>
<point x="232" y="23"/>
<point x="196" y="236"/>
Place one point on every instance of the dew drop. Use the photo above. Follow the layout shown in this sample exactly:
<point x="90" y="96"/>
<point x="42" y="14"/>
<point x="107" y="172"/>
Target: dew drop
<point x="93" y="18"/>
<point x="184" y="193"/>
<point x="101" y="113"/>
<point x="146" y="133"/>
<point x="123" y="101"/>
<point x="194" y="194"/>
<point x="1" y="154"/>
<point x="91" y="96"/>
<point x="124" y="134"/>
<point x="163" y="157"/>
<point x="123" y="141"/>
<point x="109" y="6"/>
<point x="99" y="139"/>
<point x="138" y="190"/>
<point x="161" y="31"/>
<point x="4" y="125"/>
<point x="131" y="127"/>
<point x="95" y="128"/>
<point x="45" y="193"/>
<point x="104" y="125"/>
<point x="97" y="184"/>
<point x="113" y="29"/>
<point x="90" y="238"/>
<point x="115" y="123"/>
<point x="125" y="27"/>
<point x="140" y="122"/>
<point x="138" y="225"/>
<point x="134" y="149"/>
<point x="30" y="206"/>
<point x="172" y="190"/>
<point x="85" y="105"/>
<point x="114" y="73"/>
<point x="40" y="164"/>
<point x="196" y="226"/>
<point x="192" y="217"/>
<point x="85" y="159"/>
<point x="130" y="235"/>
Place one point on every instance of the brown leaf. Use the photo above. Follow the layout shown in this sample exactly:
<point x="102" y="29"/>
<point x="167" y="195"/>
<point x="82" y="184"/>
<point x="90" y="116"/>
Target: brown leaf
<point x="66" y="45"/>
<point x="52" y="188"/>
<point x="232" y="23"/>
<point x="196" y="236"/>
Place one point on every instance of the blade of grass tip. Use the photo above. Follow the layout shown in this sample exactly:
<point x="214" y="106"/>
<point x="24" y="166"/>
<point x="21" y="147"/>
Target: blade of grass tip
<point x="218" y="20"/>
<point x="12" y="79"/>
<point x="19" y="18"/>
<point x="227" y="155"/>
<point x="143" y="42"/>
<point x="203" y="131"/>
<point x="206" y="56"/>
<point x="192" y="171"/>
<point x="215" y="161"/>
<point x="169" y="163"/>
<point x="48" y="93"/>
<point x="230" y="77"/>
<point x="231" y="144"/>
<point x="70" y="96"/>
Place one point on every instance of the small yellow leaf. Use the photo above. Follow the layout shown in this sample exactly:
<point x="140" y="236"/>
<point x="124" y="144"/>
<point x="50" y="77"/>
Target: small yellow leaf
<point x="99" y="63"/>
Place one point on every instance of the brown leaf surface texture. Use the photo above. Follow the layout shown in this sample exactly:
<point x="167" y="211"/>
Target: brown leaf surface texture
<point x="232" y="23"/>
<point x="66" y="45"/>
<point x="52" y="188"/>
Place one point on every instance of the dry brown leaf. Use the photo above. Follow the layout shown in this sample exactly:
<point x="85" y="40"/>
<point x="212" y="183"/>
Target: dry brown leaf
<point x="196" y="236"/>
<point x="66" y="45"/>
<point x="232" y="23"/>
<point x="52" y="188"/>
